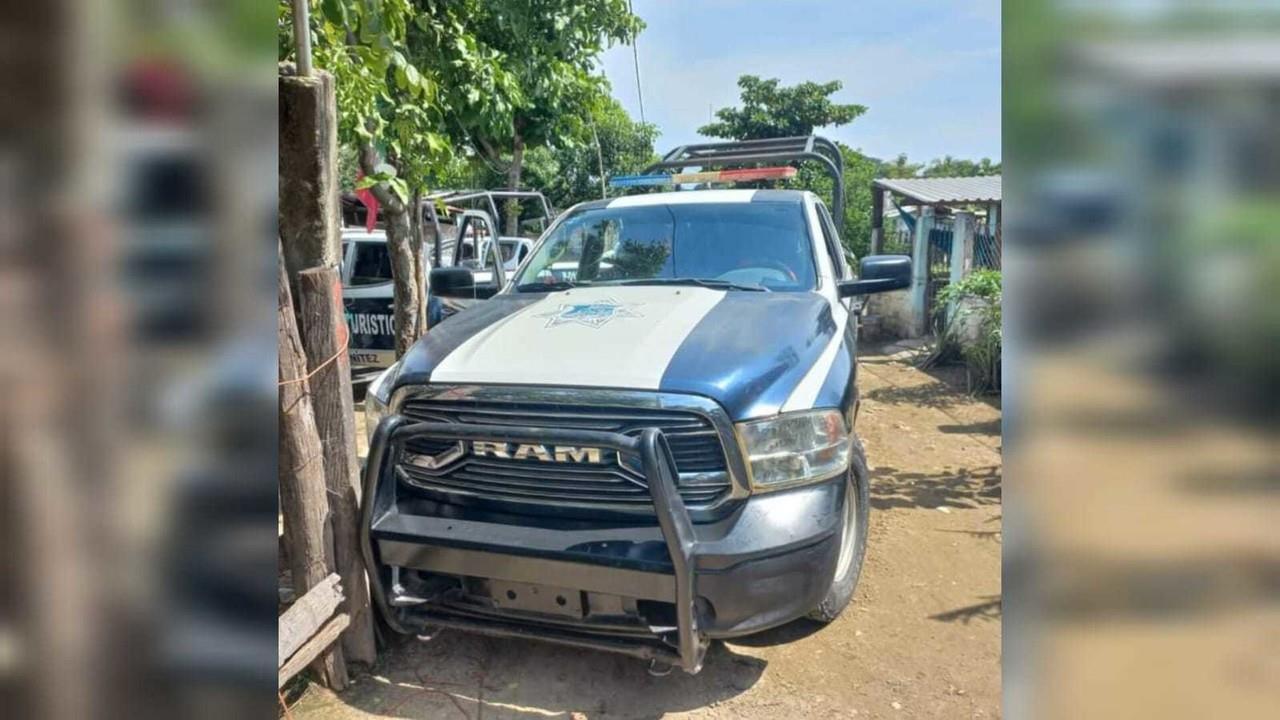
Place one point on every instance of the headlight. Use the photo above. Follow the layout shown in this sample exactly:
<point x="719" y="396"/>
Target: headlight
<point x="795" y="448"/>
<point x="377" y="397"/>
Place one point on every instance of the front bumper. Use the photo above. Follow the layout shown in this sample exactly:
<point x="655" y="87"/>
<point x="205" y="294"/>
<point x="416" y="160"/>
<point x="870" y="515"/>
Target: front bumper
<point x="769" y="561"/>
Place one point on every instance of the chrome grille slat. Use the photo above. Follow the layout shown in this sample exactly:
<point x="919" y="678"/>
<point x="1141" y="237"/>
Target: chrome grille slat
<point x="511" y="493"/>
<point x="428" y="446"/>
<point x="611" y="475"/>
<point x="540" y="484"/>
<point x="694" y="439"/>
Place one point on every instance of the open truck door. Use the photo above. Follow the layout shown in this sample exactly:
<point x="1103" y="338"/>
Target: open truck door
<point x="473" y="271"/>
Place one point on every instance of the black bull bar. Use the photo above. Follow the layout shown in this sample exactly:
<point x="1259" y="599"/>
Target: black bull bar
<point x="673" y="518"/>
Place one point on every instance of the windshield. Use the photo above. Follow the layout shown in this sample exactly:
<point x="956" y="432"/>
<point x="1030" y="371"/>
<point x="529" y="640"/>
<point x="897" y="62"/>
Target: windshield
<point x="371" y="264"/>
<point x="755" y="244"/>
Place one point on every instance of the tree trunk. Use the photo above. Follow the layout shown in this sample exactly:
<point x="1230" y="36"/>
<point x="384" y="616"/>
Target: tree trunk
<point x="304" y="502"/>
<point x="420" y="258"/>
<point x="404" y="273"/>
<point x="404" y="268"/>
<point x="513" y="182"/>
<point x="324" y="332"/>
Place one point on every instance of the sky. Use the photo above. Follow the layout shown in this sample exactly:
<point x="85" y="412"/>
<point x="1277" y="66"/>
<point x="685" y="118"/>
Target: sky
<point x="927" y="70"/>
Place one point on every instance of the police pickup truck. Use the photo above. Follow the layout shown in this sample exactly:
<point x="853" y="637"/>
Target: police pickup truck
<point x="645" y="440"/>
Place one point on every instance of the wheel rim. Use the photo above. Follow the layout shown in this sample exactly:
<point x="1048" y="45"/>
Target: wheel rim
<point x="848" y="534"/>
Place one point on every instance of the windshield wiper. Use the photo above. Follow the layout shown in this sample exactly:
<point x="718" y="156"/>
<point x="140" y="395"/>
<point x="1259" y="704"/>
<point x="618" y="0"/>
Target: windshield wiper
<point x="546" y="286"/>
<point x="702" y="282"/>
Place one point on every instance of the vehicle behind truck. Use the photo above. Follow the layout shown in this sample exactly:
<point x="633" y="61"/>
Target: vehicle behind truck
<point x="645" y="439"/>
<point x="463" y="229"/>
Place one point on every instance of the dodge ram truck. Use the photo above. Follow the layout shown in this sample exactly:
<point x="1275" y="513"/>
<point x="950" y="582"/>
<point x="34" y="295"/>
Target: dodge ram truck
<point x="645" y="440"/>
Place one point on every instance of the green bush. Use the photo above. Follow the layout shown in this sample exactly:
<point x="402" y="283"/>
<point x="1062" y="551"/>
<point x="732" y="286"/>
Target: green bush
<point x="978" y="295"/>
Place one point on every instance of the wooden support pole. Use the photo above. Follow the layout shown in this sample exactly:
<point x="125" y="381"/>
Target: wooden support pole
<point x="310" y="215"/>
<point x="303" y="498"/>
<point x="324" y="336"/>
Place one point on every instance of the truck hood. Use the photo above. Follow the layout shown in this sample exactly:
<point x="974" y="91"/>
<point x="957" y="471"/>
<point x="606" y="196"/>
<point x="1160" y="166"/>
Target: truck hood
<point x="755" y="353"/>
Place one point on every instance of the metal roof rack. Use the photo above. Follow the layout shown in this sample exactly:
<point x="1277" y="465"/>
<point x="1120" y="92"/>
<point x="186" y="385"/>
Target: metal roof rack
<point x="742" y="153"/>
<point x="489" y="197"/>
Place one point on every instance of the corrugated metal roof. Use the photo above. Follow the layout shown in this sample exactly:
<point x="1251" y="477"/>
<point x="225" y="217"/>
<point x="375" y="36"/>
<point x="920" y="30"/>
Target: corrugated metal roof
<point x="932" y="191"/>
<point x="1187" y="61"/>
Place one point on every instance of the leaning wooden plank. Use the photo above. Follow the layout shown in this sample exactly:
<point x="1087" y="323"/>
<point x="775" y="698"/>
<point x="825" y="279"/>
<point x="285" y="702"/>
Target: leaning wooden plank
<point x="305" y="616"/>
<point x="313" y="647"/>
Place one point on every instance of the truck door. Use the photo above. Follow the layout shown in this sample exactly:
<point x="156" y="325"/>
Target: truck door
<point x="368" y="297"/>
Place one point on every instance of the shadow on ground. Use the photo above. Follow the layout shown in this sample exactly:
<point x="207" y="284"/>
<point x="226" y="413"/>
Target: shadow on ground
<point x="781" y="635"/>
<point x="989" y="427"/>
<point x="988" y="608"/>
<point x="930" y="395"/>
<point x="960" y="488"/>
<point x="466" y="676"/>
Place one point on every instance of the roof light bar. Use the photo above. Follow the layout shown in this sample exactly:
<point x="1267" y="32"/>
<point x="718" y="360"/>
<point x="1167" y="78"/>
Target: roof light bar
<point x="720" y="176"/>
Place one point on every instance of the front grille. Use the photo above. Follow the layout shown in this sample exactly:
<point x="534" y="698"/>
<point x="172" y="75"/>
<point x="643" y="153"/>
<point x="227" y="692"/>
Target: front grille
<point x="694" y="440"/>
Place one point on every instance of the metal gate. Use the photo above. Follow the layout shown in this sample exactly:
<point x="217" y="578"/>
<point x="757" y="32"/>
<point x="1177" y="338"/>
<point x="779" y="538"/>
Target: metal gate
<point x="939" y="264"/>
<point x="986" y="249"/>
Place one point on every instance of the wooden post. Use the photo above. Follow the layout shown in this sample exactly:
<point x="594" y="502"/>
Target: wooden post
<point x="324" y="335"/>
<point x="310" y="214"/>
<point x="303" y="499"/>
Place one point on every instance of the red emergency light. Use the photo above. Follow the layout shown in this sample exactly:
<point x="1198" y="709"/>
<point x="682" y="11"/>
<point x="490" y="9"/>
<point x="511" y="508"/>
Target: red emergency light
<point x="731" y="176"/>
<point x="712" y="176"/>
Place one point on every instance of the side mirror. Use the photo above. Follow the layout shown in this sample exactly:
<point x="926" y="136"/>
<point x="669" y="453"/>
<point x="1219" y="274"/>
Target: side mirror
<point x="459" y="282"/>
<point x="880" y="273"/>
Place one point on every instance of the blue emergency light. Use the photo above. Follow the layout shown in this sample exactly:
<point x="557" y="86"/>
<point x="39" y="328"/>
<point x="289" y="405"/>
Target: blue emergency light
<point x="639" y="180"/>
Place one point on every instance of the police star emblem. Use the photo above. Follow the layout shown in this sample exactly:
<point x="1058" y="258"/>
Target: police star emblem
<point x="595" y="314"/>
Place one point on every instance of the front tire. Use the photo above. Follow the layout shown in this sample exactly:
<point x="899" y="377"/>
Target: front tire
<point x="853" y="538"/>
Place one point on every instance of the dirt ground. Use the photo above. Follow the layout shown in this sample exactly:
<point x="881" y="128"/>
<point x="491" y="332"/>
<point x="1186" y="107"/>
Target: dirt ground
<point x="921" y="638"/>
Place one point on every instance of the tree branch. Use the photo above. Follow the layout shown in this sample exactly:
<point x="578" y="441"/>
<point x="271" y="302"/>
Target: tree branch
<point x="368" y="156"/>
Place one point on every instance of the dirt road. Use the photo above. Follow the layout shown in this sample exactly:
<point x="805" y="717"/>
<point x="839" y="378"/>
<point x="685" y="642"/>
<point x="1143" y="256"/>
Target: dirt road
<point x="921" y="639"/>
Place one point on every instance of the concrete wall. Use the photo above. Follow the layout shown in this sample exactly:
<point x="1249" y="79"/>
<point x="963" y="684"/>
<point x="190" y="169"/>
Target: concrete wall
<point x="892" y="315"/>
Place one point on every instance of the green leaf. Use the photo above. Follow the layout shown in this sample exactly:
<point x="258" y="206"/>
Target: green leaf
<point x="401" y="188"/>
<point x="335" y="11"/>
<point x="414" y="79"/>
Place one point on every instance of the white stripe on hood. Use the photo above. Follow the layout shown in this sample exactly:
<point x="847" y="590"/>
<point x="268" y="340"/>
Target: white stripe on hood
<point x="806" y="392"/>
<point x="589" y="336"/>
